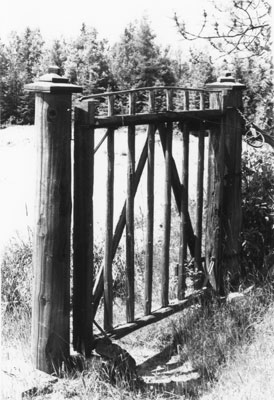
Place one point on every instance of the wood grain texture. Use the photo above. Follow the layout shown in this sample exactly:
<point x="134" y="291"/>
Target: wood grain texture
<point x="150" y="211"/>
<point x="192" y="116"/>
<point x="51" y="257"/>
<point x="108" y="290"/>
<point x="183" y="216"/>
<point x="130" y="261"/>
<point x="83" y="229"/>
<point x="200" y="200"/>
<point x="214" y="223"/>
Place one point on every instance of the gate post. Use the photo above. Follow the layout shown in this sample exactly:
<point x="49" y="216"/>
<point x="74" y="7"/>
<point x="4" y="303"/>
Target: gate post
<point x="83" y="227"/>
<point x="52" y="228"/>
<point x="224" y="207"/>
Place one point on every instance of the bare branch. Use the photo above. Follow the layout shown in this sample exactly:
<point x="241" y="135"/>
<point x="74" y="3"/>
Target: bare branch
<point x="249" y="27"/>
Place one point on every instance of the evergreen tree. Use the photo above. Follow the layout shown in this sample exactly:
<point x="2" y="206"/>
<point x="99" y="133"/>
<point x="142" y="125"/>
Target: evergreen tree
<point x="23" y="54"/>
<point x="3" y="84"/>
<point x="56" y="54"/>
<point x="137" y="61"/>
<point x="87" y="63"/>
<point x="198" y="70"/>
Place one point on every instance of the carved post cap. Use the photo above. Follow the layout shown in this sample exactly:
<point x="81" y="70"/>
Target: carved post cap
<point x="54" y="69"/>
<point x="53" y="82"/>
<point x="227" y="80"/>
<point x="227" y="77"/>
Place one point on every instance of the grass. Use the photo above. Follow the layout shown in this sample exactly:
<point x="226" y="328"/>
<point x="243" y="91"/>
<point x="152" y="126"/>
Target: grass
<point x="222" y="342"/>
<point x="249" y="373"/>
<point x="230" y="346"/>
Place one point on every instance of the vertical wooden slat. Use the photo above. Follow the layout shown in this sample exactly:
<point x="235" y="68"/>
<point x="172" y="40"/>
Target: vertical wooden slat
<point x="108" y="295"/>
<point x="99" y="283"/>
<point x="130" y="216"/>
<point x="83" y="229"/>
<point x="150" y="210"/>
<point x="178" y="190"/>
<point x="202" y="100"/>
<point x="167" y="209"/>
<point x="184" y="213"/>
<point x="200" y="198"/>
<point x="186" y="95"/>
<point x="214" y="226"/>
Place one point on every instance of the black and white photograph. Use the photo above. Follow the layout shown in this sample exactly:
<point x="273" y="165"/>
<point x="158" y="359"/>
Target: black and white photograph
<point x="137" y="200"/>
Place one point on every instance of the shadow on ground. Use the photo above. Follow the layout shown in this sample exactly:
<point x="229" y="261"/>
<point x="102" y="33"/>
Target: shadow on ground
<point x="165" y="373"/>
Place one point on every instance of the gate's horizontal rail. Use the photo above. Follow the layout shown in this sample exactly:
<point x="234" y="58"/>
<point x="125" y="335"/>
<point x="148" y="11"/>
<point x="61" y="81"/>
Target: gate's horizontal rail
<point x="147" y="89"/>
<point x="169" y="116"/>
<point x="157" y="315"/>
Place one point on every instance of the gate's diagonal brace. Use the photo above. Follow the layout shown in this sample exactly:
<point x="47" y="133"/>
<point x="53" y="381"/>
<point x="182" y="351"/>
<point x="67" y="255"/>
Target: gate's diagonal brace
<point x="101" y="141"/>
<point x="99" y="284"/>
<point x="178" y="191"/>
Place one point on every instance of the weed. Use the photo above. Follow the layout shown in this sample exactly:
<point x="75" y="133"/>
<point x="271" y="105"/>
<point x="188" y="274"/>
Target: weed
<point x="258" y="211"/>
<point x="208" y="335"/>
<point x="17" y="275"/>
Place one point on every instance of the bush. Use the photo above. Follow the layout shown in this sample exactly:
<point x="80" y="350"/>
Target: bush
<point x="209" y="334"/>
<point x="17" y="275"/>
<point x="118" y="269"/>
<point x="258" y="210"/>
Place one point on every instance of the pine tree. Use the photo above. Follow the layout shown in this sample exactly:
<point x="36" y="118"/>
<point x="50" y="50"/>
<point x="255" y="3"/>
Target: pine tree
<point x="137" y="61"/>
<point x="3" y="84"/>
<point x="56" y="54"/>
<point x="87" y="63"/>
<point x="23" y="55"/>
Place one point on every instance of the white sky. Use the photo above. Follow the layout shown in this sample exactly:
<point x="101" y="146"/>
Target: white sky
<point x="58" y="18"/>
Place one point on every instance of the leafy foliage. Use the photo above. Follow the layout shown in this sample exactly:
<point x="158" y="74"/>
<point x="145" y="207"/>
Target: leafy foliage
<point x="137" y="61"/>
<point x="210" y="333"/>
<point x="258" y="210"/>
<point x="86" y="62"/>
<point x="17" y="275"/>
<point x="20" y="64"/>
<point x="257" y="75"/>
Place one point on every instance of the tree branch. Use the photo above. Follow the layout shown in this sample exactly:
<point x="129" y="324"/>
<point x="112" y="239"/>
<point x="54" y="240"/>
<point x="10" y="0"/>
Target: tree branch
<point x="249" y="28"/>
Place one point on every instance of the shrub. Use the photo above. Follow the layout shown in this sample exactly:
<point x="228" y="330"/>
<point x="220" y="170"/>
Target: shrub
<point x="209" y="334"/>
<point x="17" y="274"/>
<point x="258" y="210"/>
<point x="118" y="268"/>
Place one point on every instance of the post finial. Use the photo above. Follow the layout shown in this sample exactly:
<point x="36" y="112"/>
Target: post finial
<point x="227" y="77"/>
<point x="53" y="82"/>
<point x="225" y="81"/>
<point x="54" y="69"/>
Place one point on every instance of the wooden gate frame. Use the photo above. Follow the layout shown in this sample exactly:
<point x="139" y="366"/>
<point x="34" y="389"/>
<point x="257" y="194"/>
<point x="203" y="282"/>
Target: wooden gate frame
<point x="51" y="311"/>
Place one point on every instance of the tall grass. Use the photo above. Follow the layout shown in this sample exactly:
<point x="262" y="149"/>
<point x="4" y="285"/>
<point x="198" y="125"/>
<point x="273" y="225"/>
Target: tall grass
<point x="248" y="375"/>
<point x="209" y="336"/>
<point x="16" y="289"/>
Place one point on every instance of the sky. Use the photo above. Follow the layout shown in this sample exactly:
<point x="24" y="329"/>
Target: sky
<point x="57" y="18"/>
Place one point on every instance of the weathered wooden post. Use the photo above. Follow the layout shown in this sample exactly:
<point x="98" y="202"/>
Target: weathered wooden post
<point x="83" y="235"/>
<point x="51" y="255"/>
<point x="224" y="186"/>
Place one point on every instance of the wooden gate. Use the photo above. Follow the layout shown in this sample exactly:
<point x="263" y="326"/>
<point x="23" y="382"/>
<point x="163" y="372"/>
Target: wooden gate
<point x="193" y="111"/>
<point x="210" y="112"/>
